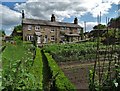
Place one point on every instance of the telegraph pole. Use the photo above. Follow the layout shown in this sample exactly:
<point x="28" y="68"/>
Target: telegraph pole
<point x="85" y="28"/>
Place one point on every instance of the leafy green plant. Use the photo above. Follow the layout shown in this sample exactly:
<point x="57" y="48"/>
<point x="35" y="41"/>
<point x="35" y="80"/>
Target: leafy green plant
<point x="16" y="61"/>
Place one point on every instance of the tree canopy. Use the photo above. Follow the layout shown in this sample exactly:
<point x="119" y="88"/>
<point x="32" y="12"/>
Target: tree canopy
<point x="99" y="26"/>
<point x="2" y="33"/>
<point x="18" y="28"/>
<point x="114" y="22"/>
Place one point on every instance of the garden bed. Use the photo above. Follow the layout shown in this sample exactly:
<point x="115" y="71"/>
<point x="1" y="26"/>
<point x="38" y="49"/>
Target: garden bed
<point x="78" y="73"/>
<point x="16" y="63"/>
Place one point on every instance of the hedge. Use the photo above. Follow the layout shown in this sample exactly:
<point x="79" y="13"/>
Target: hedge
<point x="36" y="71"/>
<point x="62" y="82"/>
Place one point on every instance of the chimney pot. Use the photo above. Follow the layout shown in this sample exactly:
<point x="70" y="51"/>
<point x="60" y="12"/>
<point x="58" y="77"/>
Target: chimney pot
<point x="75" y="20"/>
<point x="53" y="18"/>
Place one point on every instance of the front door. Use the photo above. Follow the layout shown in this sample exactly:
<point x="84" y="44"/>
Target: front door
<point x="45" y="39"/>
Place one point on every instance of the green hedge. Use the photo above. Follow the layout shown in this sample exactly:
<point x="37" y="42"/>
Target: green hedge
<point x="62" y="82"/>
<point x="36" y="70"/>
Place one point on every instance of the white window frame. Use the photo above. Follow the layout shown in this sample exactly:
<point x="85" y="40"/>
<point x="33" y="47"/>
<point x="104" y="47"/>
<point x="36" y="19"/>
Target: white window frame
<point x="52" y="29"/>
<point x="30" y="37"/>
<point x="37" y="27"/>
<point x="52" y="38"/>
<point x="67" y="28"/>
<point x="29" y="27"/>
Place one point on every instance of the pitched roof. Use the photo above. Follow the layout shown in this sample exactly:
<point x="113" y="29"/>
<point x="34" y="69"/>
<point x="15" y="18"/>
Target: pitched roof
<point x="46" y="22"/>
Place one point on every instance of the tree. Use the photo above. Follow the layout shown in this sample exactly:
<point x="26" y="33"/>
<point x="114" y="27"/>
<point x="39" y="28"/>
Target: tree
<point x="17" y="31"/>
<point x="2" y="33"/>
<point x="99" y="26"/>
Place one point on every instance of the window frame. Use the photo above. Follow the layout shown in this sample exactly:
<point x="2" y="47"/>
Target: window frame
<point x="37" y="27"/>
<point x="52" y="29"/>
<point x="29" y="27"/>
<point x="29" y="37"/>
<point x="52" y="38"/>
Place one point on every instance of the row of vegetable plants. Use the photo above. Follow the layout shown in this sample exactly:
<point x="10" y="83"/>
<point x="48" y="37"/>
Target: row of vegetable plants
<point x="60" y="81"/>
<point x="16" y="64"/>
<point x="75" y="52"/>
<point x="108" y="84"/>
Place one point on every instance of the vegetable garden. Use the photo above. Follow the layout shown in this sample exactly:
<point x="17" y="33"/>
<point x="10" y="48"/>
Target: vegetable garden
<point x="83" y="52"/>
<point x="26" y="67"/>
<point x="103" y="64"/>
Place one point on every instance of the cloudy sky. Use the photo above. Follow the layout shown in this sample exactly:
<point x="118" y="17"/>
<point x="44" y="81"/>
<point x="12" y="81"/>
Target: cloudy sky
<point x="67" y="10"/>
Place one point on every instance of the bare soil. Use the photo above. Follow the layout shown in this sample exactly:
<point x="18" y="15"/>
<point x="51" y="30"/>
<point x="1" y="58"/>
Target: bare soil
<point x="77" y="73"/>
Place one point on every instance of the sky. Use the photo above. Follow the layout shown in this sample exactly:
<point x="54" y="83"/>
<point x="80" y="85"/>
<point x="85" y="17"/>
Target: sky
<point x="65" y="11"/>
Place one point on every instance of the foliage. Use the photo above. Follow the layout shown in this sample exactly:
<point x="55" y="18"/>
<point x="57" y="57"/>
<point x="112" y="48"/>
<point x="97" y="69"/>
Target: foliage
<point x="108" y="84"/>
<point x="18" y="28"/>
<point x="17" y="39"/>
<point x="61" y="81"/>
<point x="17" y="61"/>
<point x="2" y="33"/>
<point x="99" y="26"/>
<point x="73" y="52"/>
<point x="36" y="69"/>
<point x="17" y="31"/>
<point x="110" y="37"/>
<point x="115" y="19"/>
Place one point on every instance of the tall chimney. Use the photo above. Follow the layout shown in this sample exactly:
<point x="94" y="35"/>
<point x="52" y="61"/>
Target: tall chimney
<point x="75" y="20"/>
<point x="53" y="18"/>
<point x="23" y="14"/>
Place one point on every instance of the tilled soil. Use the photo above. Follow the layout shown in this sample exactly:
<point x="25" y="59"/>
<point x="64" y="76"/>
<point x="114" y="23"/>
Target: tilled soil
<point x="78" y="73"/>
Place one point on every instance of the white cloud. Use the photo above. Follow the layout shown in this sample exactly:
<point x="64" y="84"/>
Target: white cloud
<point x="66" y="8"/>
<point x="89" y="25"/>
<point x="9" y="17"/>
<point x="42" y="9"/>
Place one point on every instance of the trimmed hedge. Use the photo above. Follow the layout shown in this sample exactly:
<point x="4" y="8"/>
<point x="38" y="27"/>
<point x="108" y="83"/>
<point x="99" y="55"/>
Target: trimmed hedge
<point x="36" y="70"/>
<point x="62" y="82"/>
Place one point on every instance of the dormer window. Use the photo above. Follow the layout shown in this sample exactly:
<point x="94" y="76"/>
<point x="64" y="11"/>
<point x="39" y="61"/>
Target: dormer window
<point x="29" y="27"/>
<point x="37" y="27"/>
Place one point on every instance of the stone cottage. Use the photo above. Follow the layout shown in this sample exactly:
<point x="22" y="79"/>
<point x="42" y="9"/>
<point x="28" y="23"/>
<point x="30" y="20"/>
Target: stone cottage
<point x="50" y="31"/>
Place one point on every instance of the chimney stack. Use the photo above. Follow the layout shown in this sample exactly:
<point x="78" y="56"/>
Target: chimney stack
<point x="53" y="18"/>
<point x="75" y="20"/>
<point x="23" y="14"/>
